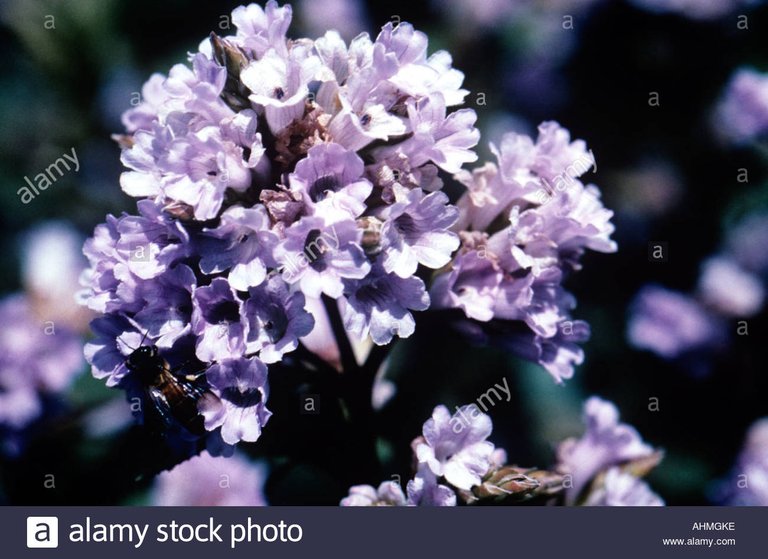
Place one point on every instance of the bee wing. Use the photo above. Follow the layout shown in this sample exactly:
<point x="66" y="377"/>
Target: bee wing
<point x="161" y="404"/>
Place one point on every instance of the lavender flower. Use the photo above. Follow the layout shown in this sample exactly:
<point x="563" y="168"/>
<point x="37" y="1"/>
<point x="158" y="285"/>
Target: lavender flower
<point x="207" y="481"/>
<point x="454" y="446"/>
<point x="218" y="321"/>
<point x="330" y="181"/>
<point x="425" y="491"/>
<point x="416" y="232"/>
<point x="259" y="29"/>
<point x="241" y="385"/>
<point x="320" y="255"/>
<point x="243" y="245"/>
<point x="606" y="443"/>
<point x="276" y="320"/>
<point x="379" y="305"/>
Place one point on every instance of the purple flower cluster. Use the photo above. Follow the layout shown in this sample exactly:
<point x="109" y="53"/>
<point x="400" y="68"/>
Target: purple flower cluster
<point x="742" y="114"/>
<point x="273" y="173"/>
<point x="283" y="181"/>
<point x="524" y="224"/>
<point x="732" y="285"/>
<point x="593" y="462"/>
<point x="454" y="459"/>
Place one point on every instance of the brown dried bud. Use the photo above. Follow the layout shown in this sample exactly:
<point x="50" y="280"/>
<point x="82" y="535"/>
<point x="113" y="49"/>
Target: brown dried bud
<point x="180" y="211"/>
<point x="235" y="94"/>
<point x="641" y="467"/>
<point x="125" y="141"/>
<point x="513" y="484"/>
<point x="283" y="206"/>
<point x="295" y="140"/>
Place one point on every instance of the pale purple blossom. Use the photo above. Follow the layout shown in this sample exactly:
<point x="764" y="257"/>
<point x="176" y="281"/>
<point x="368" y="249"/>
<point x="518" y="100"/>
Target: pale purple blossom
<point x="471" y="285"/>
<point x="525" y="223"/>
<point x="115" y="337"/>
<point x="319" y="255"/>
<point x="259" y="29"/>
<point x="455" y="446"/>
<point x="379" y="305"/>
<point x="424" y="490"/>
<point x="242" y="389"/>
<point x="218" y="322"/>
<point x="388" y="494"/>
<point x="276" y="319"/>
<point x="416" y="232"/>
<point x="168" y="305"/>
<point x="280" y="84"/>
<point x="242" y="244"/>
<point x="446" y="141"/>
<point x="330" y="182"/>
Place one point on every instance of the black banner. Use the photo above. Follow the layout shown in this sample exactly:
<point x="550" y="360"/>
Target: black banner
<point x="118" y="532"/>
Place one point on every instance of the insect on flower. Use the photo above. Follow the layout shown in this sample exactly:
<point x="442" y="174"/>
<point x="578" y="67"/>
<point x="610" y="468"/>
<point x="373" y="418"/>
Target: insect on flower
<point x="175" y="397"/>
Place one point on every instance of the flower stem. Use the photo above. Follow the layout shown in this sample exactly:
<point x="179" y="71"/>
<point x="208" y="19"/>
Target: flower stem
<point x="348" y="362"/>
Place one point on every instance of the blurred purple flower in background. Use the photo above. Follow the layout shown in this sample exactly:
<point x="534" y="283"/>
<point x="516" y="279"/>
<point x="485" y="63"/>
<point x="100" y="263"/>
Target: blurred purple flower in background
<point x="746" y="242"/>
<point x="695" y="9"/>
<point x="621" y="489"/>
<point x="725" y="286"/>
<point x="693" y="328"/>
<point x="742" y="114"/>
<point x="606" y="444"/>
<point x="748" y="482"/>
<point x="41" y="338"/>
<point x="672" y="324"/>
<point x="205" y="480"/>
<point x="37" y="358"/>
